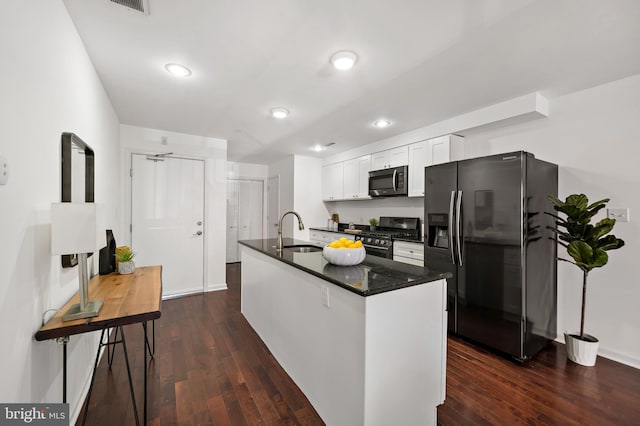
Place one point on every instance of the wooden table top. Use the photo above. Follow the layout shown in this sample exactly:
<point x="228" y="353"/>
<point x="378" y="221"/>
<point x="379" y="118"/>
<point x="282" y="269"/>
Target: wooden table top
<point x="128" y="299"/>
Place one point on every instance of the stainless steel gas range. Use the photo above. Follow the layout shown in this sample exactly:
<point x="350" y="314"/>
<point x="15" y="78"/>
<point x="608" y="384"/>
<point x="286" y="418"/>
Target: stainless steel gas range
<point x="380" y="241"/>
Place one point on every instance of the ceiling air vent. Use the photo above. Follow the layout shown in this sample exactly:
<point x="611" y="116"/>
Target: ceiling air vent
<point x="137" y="5"/>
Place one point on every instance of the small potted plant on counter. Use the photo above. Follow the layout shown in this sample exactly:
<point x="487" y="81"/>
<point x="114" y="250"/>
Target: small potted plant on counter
<point x="587" y="245"/>
<point x="125" y="262"/>
<point x="373" y="222"/>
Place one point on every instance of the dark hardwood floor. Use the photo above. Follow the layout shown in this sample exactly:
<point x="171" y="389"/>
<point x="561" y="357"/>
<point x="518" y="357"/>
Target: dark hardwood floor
<point x="210" y="368"/>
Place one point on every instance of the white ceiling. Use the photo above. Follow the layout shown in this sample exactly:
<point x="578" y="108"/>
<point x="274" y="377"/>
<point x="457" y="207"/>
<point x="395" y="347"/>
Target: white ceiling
<point x="420" y="61"/>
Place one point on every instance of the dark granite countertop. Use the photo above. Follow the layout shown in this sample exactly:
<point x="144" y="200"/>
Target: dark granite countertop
<point x="373" y="276"/>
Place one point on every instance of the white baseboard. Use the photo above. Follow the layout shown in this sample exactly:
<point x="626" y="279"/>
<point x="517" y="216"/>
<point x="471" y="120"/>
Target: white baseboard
<point x="181" y="294"/>
<point x="610" y="354"/>
<point x="217" y="287"/>
<point x="618" y="357"/>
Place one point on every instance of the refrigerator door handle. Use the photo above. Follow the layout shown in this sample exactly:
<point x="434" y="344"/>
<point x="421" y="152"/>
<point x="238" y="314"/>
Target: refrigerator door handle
<point x="451" y="204"/>
<point x="459" y="226"/>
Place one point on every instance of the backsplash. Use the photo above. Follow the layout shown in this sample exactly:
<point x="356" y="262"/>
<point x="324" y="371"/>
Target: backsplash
<point x="361" y="211"/>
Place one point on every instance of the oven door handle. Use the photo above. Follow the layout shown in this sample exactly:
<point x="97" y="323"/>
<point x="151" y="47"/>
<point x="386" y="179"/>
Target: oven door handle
<point x="376" y="247"/>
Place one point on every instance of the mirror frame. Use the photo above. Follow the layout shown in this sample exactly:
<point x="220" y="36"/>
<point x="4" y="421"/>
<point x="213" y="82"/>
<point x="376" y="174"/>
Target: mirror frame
<point x="69" y="141"/>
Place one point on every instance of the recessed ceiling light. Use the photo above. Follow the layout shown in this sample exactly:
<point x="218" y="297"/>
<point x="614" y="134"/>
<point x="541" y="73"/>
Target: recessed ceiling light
<point x="318" y="148"/>
<point x="178" y="70"/>
<point x="344" y="60"/>
<point x="279" y="112"/>
<point x="381" y="124"/>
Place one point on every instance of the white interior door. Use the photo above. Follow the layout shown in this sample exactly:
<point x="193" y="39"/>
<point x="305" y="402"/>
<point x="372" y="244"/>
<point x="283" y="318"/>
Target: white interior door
<point x="244" y="214"/>
<point x="273" y="205"/>
<point x="167" y="219"/>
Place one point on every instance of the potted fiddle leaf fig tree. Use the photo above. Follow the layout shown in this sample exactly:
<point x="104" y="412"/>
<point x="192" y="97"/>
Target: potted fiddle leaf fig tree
<point x="587" y="245"/>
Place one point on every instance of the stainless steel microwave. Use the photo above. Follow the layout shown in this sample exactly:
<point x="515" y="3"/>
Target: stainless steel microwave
<point x="388" y="182"/>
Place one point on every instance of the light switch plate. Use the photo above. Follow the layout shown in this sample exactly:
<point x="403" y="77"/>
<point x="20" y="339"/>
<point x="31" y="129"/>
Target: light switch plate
<point x="4" y="170"/>
<point x="620" y="215"/>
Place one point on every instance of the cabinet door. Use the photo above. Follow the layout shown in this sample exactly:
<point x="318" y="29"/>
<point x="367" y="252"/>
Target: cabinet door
<point x="438" y="151"/>
<point x="399" y="156"/>
<point x="351" y="179"/>
<point x="364" y="165"/>
<point x="337" y="192"/>
<point x="326" y="182"/>
<point x="380" y="160"/>
<point x="332" y="181"/>
<point x="417" y="163"/>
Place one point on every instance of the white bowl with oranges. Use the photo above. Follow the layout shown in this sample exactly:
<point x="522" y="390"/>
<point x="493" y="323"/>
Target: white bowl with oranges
<point x="344" y="252"/>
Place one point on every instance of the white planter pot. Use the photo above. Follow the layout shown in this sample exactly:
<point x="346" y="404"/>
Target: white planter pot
<point x="583" y="352"/>
<point x="126" y="267"/>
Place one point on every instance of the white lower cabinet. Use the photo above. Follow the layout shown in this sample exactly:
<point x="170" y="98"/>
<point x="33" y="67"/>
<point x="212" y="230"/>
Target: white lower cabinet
<point x="406" y="252"/>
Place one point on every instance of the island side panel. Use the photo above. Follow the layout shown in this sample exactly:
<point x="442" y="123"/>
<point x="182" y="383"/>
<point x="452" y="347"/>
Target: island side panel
<point x="320" y="347"/>
<point x="406" y="346"/>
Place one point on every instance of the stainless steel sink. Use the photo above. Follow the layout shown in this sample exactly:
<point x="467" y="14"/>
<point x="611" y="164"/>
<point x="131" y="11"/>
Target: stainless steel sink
<point x="302" y="248"/>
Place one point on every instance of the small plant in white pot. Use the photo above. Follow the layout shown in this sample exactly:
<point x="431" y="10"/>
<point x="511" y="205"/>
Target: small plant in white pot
<point x="125" y="262"/>
<point x="587" y="245"/>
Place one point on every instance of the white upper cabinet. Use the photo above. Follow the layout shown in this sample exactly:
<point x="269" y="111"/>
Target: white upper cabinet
<point x="417" y="163"/>
<point x="390" y="158"/>
<point x="444" y="149"/>
<point x="332" y="182"/>
<point x="427" y="153"/>
<point x="356" y="178"/>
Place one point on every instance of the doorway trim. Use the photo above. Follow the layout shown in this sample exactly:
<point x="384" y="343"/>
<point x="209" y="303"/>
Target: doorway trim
<point x="210" y="172"/>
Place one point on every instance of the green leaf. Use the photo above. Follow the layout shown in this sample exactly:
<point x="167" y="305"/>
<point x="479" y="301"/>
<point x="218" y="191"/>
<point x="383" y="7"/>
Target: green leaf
<point x="600" y="258"/>
<point x="610" y="242"/>
<point x="597" y="203"/>
<point x="555" y="200"/>
<point x="578" y="200"/>
<point x="601" y="229"/>
<point x="580" y="251"/>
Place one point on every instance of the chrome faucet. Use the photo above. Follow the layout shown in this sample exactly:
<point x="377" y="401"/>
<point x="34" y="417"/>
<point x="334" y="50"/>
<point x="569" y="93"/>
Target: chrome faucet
<point x="300" y="227"/>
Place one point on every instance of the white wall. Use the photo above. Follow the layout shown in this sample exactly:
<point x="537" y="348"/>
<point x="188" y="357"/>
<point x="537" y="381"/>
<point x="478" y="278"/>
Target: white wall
<point x="307" y="195"/>
<point x="285" y="170"/>
<point x="301" y="191"/>
<point x="214" y="153"/>
<point x="593" y="135"/>
<point x="48" y="86"/>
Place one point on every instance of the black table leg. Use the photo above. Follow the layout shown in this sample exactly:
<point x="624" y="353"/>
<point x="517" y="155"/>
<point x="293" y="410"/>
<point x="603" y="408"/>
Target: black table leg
<point x="145" y="376"/>
<point x="63" y="341"/>
<point x="93" y="376"/>
<point x="126" y="358"/>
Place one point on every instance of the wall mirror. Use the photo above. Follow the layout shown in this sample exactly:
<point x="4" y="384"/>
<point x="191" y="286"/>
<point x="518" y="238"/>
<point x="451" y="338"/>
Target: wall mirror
<point x="77" y="178"/>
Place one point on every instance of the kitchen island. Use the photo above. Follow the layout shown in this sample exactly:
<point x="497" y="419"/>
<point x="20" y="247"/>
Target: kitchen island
<point x="366" y="344"/>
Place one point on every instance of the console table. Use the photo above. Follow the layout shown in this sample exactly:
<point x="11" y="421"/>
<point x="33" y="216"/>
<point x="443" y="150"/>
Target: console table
<point x="128" y="299"/>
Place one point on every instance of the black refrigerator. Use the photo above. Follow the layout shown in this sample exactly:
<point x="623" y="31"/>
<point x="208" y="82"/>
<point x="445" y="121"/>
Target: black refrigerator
<point x="485" y="223"/>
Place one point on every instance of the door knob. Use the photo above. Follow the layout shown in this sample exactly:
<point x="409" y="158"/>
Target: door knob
<point x="197" y="234"/>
